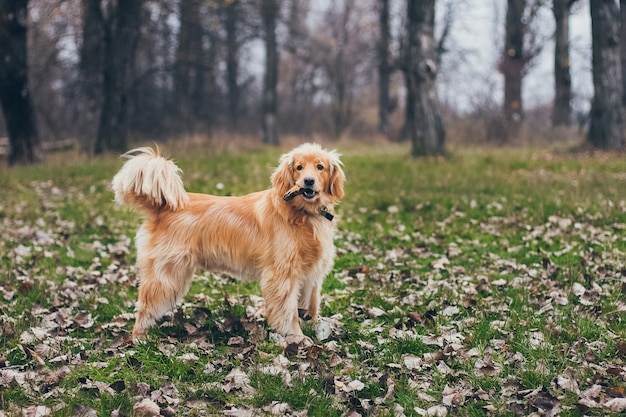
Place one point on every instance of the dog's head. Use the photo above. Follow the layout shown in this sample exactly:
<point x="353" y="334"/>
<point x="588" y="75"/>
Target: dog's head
<point x="316" y="171"/>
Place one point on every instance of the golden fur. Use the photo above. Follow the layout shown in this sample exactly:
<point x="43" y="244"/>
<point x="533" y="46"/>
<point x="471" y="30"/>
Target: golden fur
<point x="286" y="245"/>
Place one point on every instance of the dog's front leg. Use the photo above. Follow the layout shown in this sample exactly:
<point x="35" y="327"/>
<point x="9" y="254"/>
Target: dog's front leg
<point x="309" y="300"/>
<point x="281" y="303"/>
<point x="314" y="303"/>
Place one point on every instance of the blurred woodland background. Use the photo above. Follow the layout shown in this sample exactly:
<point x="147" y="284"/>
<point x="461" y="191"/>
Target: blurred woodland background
<point x="100" y="74"/>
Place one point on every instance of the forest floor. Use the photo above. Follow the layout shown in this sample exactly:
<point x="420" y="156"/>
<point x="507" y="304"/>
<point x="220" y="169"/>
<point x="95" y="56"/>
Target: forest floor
<point x="490" y="282"/>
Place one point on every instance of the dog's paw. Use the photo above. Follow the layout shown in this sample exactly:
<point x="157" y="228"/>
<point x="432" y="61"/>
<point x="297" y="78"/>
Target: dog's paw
<point x="138" y="337"/>
<point x="297" y="344"/>
<point x="302" y="341"/>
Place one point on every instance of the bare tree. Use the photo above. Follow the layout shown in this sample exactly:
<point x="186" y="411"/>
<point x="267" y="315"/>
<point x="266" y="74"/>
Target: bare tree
<point x="513" y="62"/>
<point x="269" y="12"/>
<point x="15" y="97"/>
<point x="622" y="42"/>
<point x="423" y="119"/>
<point x="91" y="65"/>
<point x="606" y="129"/>
<point x="52" y="73"/>
<point x="384" y="67"/>
<point x="299" y="70"/>
<point x="110" y="37"/>
<point x="189" y="72"/>
<point x="121" y="35"/>
<point x="521" y="46"/>
<point x="232" y="23"/>
<point x="450" y="7"/>
<point x="176" y="87"/>
<point x="343" y="52"/>
<point x="561" y="113"/>
<point x="241" y="24"/>
<point x="337" y="67"/>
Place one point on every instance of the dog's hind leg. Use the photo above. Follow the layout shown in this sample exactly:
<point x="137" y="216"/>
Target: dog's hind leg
<point x="163" y="285"/>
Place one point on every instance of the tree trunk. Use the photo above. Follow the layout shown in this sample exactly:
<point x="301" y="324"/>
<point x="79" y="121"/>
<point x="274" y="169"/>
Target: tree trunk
<point x="232" y="60"/>
<point x="15" y="98"/>
<point x="512" y="66"/>
<point x="342" y="104"/>
<point x="561" y="113"/>
<point x="623" y="48"/>
<point x="339" y="72"/>
<point x="606" y="129"/>
<point x="384" y="68"/>
<point x="120" y="42"/>
<point x="269" y="12"/>
<point x="189" y="71"/>
<point x="423" y="121"/>
<point x="91" y="56"/>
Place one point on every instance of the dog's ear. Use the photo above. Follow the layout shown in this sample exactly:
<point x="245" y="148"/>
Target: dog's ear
<point x="337" y="178"/>
<point x="282" y="177"/>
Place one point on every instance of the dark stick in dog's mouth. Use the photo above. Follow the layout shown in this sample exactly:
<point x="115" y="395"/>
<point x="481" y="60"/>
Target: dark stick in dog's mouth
<point x="293" y="192"/>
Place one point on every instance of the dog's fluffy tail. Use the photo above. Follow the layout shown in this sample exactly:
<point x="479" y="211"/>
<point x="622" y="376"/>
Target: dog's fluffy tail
<point x="150" y="182"/>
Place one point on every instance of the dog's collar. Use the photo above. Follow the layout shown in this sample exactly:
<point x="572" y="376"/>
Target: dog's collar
<point x="327" y="214"/>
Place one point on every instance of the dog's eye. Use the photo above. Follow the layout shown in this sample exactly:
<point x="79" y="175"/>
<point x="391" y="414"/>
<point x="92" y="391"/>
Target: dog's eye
<point x="320" y="167"/>
<point x="299" y="167"/>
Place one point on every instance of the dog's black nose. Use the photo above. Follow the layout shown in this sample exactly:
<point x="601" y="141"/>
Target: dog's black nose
<point x="308" y="181"/>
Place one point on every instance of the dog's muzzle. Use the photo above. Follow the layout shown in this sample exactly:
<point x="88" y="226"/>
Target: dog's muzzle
<point x="309" y="193"/>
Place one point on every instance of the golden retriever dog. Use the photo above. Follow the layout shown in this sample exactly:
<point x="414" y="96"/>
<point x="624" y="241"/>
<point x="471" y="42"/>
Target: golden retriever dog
<point x="281" y="237"/>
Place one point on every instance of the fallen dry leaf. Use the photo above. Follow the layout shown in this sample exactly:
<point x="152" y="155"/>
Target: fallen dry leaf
<point x="237" y="380"/>
<point x="146" y="407"/>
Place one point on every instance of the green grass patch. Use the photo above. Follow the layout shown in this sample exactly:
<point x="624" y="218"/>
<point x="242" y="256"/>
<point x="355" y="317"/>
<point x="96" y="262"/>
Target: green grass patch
<point x="487" y="283"/>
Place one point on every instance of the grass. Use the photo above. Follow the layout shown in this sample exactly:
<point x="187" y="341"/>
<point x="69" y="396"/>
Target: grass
<point x="481" y="283"/>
